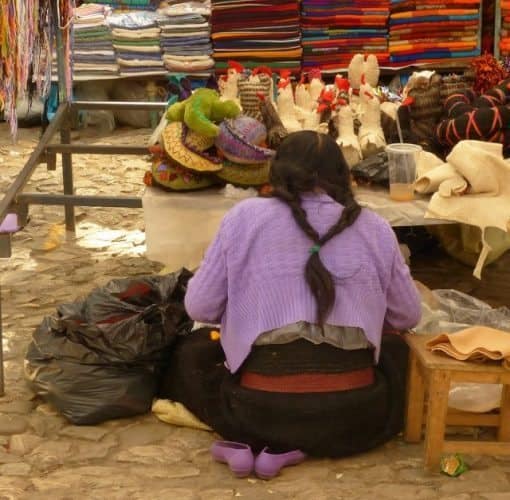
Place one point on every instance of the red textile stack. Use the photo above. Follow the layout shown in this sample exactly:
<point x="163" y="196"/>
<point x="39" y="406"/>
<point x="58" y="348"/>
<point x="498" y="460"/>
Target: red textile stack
<point x="334" y="30"/>
<point x="255" y="33"/>
<point x="504" y="41"/>
<point x="433" y="31"/>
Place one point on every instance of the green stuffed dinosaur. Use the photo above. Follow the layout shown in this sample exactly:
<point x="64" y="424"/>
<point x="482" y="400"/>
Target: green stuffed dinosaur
<point x="201" y="110"/>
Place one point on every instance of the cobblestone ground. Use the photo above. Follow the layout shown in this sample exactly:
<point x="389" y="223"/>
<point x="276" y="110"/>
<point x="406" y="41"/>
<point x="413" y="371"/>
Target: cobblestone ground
<point x="43" y="457"/>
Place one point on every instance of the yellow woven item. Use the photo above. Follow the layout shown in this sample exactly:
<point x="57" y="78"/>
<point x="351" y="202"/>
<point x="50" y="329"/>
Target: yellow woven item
<point x="175" y="413"/>
<point x="245" y="175"/>
<point x="181" y="152"/>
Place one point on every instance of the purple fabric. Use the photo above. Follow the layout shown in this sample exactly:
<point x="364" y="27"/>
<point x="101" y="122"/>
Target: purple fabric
<point x="9" y="224"/>
<point x="252" y="277"/>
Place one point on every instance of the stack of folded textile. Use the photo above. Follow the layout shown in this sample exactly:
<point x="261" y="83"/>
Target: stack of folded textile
<point x="504" y="40"/>
<point x="256" y="33"/>
<point x="186" y="38"/>
<point x="434" y="31"/>
<point x="93" y="53"/>
<point x="334" y="30"/>
<point x="128" y="4"/>
<point x="136" y="38"/>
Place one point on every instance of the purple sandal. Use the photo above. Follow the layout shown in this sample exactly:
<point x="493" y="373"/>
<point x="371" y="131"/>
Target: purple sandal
<point x="268" y="465"/>
<point x="238" y="456"/>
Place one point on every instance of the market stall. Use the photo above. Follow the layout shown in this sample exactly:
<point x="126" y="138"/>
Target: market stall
<point x="361" y="108"/>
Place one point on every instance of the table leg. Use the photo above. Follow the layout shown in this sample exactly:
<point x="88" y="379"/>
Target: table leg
<point x="504" y="415"/>
<point x="415" y="402"/>
<point x="437" y="408"/>
<point x="67" y="173"/>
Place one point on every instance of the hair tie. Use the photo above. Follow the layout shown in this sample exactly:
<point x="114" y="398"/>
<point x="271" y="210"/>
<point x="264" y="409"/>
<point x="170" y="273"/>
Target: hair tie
<point x="314" y="249"/>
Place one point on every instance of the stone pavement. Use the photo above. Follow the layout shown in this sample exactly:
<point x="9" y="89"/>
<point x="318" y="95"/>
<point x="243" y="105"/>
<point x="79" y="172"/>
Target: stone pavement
<point x="43" y="457"/>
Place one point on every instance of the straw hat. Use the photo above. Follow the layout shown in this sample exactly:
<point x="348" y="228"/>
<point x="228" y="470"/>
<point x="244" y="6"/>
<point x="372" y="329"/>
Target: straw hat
<point x="169" y="175"/>
<point x="188" y="148"/>
<point x="235" y="144"/>
<point x="250" y="129"/>
<point x="245" y="175"/>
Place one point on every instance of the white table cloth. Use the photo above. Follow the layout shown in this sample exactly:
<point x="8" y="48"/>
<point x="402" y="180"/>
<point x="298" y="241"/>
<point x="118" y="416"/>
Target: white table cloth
<point x="180" y="226"/>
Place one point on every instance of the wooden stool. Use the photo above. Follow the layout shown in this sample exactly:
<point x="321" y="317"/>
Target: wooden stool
<point x="432" y="373"/>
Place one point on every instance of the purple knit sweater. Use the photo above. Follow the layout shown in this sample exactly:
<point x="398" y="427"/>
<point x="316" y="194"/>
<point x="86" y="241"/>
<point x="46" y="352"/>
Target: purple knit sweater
<point x="252" y="277"/>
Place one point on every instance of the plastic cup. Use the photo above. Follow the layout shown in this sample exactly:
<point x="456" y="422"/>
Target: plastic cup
<point x="402" y="160"/>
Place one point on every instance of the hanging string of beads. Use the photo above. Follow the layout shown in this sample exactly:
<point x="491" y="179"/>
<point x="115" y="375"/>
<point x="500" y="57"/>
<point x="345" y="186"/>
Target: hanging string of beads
<point x="26" y="47"/>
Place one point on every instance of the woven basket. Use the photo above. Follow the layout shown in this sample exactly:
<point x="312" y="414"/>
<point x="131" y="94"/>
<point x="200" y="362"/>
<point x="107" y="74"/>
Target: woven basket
<point x="427" y="100"/>
<point x="452" y="84"/>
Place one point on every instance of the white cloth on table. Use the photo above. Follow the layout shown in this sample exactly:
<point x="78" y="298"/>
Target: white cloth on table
<point x="486" y="202"/>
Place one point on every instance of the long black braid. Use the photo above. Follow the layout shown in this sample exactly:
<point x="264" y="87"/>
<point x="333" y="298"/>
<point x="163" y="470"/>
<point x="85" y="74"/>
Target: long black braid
<point x="308" y="161"/>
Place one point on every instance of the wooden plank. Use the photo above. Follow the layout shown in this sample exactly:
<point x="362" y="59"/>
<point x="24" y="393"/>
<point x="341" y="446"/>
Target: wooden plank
<point x="472" y="419"/>
<point x="477" y="447"/>
<point x="442" y="362"/>
<point x="504" y="424"/>
<point x="415" y="402"/>
<point x="481" y="377"/>
<point x="437" y="408"/>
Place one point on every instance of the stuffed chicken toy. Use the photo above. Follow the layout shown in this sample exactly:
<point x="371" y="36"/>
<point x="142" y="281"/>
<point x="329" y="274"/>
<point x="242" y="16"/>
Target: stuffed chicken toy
<point x="316" y="86"/>
<point x="259" y="81"/>
<point x="347" y="138"/>
<point x="303" y="97"/>
<point x="342" y="87"/>
<point x="285" y="103"/>
<point x="325" y="110"/>
<point x="276" y="132"/>
<point x="422" y="108"/>
<point x="483" y="117"/>
<point x="228" y="84"/>
<point x="306" y="108"/>
<point x="370" y="135"/>
<point x="361" y="65"/>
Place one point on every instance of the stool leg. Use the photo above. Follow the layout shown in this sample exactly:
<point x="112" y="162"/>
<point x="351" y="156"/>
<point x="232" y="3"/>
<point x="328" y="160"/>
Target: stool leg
<point x="437" y="408"/>
<point x="415" y="402"/>
<point x="504" y="415"/>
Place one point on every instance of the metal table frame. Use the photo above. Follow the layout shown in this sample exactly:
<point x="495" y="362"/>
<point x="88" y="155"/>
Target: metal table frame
<point x="15" y="200"/>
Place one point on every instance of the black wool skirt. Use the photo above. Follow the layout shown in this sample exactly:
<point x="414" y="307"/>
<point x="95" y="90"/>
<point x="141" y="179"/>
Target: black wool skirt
<point x="325" y="424"/>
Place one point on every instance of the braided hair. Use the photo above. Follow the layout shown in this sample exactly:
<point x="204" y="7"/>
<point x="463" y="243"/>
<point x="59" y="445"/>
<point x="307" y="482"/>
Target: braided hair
<point x="307" y="161"/>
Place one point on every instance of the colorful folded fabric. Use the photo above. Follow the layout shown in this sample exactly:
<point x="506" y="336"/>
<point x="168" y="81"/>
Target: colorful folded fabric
<point x="185" y="39"/>
<point x="435" y="30"/>
<point x="92" y="49"/>
<point x="504" y="33"/>
<point x="256" y="32"/>
<point x="333" y="30"/>
<point x="136" y="36"/>
<point x="126" y="4"/>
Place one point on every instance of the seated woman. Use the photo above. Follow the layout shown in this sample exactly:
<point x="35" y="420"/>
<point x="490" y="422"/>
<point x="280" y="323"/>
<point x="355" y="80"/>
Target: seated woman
<point x="303" y="283"/>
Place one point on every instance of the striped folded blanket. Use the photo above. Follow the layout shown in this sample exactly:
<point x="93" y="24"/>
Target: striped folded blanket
<point x="127" y="4"/>
<point x="434" y="54"/>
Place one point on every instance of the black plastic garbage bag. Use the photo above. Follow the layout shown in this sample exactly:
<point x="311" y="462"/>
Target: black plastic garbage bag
<point x="372" y="170"/>
<point x="102" y="358"/>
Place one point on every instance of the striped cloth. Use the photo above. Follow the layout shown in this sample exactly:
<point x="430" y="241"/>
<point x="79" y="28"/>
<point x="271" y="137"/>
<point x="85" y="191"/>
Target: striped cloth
<point x="255" y="33"/>
<point x="433" y="31"/>
<point x="92" y="50"/>
<point x="504" y="40"/>
<point x="127" y="4"/>
<point x="333" y="30"/>
<point x="136" y="38"/>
